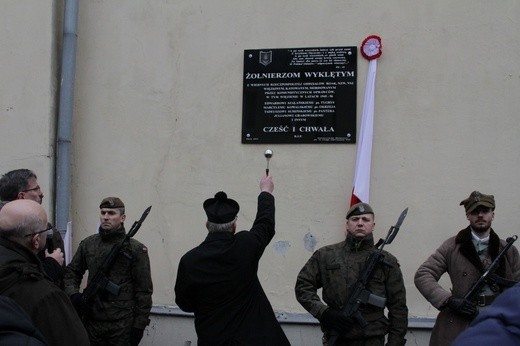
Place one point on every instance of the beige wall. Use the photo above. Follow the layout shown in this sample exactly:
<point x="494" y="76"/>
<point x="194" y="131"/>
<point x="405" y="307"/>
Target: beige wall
<point x="28" y="91"/>
<point x="157" y="120"/>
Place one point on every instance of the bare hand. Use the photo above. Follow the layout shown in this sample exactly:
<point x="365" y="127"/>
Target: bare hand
<point x="266" y="184"/>
<point x="57" y="255"/>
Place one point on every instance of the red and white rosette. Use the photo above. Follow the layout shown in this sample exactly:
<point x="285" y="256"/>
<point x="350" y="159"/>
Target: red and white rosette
<point x="371" y="47"/>
<point x="371" y="50"/>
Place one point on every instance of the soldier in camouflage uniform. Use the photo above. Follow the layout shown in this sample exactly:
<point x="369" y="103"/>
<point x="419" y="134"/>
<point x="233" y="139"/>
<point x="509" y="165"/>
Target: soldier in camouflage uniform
<point x="336" y="268"/>
<point x="113" y="320"/>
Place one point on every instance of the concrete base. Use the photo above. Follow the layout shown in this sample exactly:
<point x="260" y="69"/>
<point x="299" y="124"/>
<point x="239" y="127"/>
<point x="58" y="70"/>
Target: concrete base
<point x="177" y="329"/>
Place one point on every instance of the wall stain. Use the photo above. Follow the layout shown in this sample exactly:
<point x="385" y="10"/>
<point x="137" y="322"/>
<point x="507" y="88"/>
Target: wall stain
<point x="309" y="242"/>
<point x="281" y="247"/>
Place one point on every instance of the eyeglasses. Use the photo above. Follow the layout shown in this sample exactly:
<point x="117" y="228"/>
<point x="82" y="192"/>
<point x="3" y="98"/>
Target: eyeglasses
<point x="48" y="230"/>
<point x="37" y="188"/>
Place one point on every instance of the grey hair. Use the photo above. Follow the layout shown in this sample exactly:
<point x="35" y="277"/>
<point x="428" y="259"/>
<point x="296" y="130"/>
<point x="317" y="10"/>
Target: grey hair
<point x="220" y="227"/>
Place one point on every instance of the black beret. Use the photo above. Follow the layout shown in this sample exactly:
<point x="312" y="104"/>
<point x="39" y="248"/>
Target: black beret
<point x="221" y="209"/>
<point x="359" y="209"/>
<point x="111" y="203"/>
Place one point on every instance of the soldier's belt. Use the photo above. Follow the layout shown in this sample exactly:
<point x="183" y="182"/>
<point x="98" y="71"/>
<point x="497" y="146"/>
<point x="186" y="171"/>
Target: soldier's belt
<point x="373" y="315"/>
<point x="122" y="296"/>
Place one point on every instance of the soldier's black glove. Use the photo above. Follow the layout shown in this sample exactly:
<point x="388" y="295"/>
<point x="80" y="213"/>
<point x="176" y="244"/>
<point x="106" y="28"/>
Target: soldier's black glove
<point x="336" y="320"/>
<point x="462" y="307"/>
<point x="80" y="304"/>
<point x="136" y="335"/>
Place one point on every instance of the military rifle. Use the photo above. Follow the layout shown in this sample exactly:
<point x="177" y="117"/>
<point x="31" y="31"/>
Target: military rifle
<point x="100" y="282"/>
<point x="360" y="295"/>
<point x="489" y="277"/>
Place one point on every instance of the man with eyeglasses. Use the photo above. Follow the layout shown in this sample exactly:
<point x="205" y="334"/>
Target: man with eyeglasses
<point x="465" y="257"/>
<point x="23" y="228"/>
<point x="23" y="184"/>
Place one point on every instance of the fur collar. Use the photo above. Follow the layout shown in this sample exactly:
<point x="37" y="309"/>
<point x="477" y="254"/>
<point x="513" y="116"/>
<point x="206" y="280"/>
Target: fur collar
<point x="467" y="249"/>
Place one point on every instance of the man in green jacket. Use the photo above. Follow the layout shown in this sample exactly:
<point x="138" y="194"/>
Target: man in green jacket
<point x="336" y="268"/>
<point x="113" y="319"/>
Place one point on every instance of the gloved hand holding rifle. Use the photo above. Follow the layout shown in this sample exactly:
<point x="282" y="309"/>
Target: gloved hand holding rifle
<point x="467" y="306"/>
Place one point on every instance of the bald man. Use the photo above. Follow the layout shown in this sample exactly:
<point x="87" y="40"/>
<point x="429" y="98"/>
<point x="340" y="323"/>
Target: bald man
<point x="23" y="233"/>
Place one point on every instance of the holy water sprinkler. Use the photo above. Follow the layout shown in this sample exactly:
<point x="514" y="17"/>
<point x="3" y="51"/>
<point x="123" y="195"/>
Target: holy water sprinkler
<point x="268" y="154"/>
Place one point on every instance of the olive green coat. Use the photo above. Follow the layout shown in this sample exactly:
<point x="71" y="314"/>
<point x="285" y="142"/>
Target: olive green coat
<point x="131" y="272"/>
<point x="336" y="268"/>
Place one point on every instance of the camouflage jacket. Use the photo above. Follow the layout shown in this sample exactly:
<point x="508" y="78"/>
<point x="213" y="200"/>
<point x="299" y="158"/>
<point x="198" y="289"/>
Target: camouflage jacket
<point x="336" y="268"/>
<point x="131" y="272"/>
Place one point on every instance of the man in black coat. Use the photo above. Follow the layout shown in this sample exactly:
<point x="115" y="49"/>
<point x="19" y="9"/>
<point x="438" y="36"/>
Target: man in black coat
<point x="218" y="281"/>
<point x="16" y="328"/>
<point x="23" y="229"/>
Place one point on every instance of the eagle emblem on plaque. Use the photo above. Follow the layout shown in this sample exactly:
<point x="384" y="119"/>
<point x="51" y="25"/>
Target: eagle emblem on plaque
<point x="266" y="57"/>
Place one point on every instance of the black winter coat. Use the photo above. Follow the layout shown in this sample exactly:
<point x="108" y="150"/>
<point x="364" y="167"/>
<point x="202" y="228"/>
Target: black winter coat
<point x="218" y="281"/>
<point x="16" y="328"/>
<point x="22" y="279"/>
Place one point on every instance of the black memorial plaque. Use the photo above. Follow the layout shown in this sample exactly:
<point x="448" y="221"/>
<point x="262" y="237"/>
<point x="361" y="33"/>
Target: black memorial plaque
<point x="300" y="95"/>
